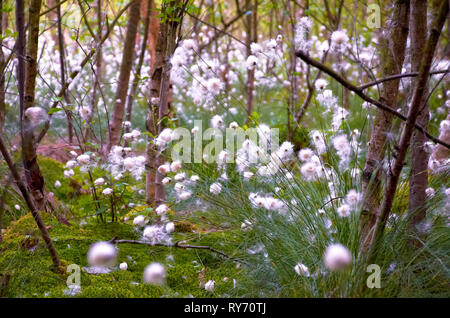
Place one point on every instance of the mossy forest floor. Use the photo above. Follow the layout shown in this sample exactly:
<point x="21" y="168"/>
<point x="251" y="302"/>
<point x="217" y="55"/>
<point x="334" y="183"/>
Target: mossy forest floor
<point x="26" y="268"/>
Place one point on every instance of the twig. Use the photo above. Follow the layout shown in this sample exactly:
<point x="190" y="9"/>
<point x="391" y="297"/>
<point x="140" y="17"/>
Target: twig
<point x="359" y="91"/>
<point x="177" y="245"/>
<point x="397" y="76"/>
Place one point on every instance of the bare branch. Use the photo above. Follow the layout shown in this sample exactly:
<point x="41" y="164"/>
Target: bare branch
<point x="358" y="91"/>
<point x="177" y="245"/>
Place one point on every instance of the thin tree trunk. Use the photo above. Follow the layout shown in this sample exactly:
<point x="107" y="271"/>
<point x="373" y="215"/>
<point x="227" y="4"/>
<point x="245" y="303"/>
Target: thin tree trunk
<point x="152" y="116"/>
<point x="414" y="110"/>
<point x="418" y="180"/>
<point x="31" y="204"/>
<point x="97" y="76"/>
<point x="63" y="74"/>
<point x="137" y="75"/>
<point x="251" y="31"/>
<point x="124" y="76"/>
<point x="392" y="58"/>
<point x="33" y="174"/>
<point x="2" y="76"/>
<point x="168" y="34"/>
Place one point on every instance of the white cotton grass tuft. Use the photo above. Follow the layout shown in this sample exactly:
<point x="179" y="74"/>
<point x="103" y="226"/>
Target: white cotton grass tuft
<point x="83" y="159"/>
<point x="217" y="122"/>
<point x="123" y="266"/>
<point x="353" y="197"/>
<point x="215" y="188"/>
<point x="344" y="210"/>
<point x="337" y="257"/>
<point x="164" y="169"/>
<point x="305" y="154"/>
<point x="139" y="220"/>
<point x="99" y="182"/>
<point x="320" y="84"/>
<point x="170" y="227"/>
<point x="107" y="191"/>
<point x="301" y="269"/>
<point x="102" y="254"/>
<point x="175" y="166"/>
<point x="155" y="274"/>
<point x="339" y="37"/>
<point x="161" y="209"/>
<point x="209" y="286"/>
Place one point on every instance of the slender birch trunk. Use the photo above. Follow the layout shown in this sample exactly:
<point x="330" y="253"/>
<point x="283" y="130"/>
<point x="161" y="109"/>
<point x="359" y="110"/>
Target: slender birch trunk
<point x="63" y="74"/>
<point x="168" y="34"/>
<point x="97" y="76"/>
<point x="124" y="76"/>
<point x="2" y="76"/>
<point x="152" y="116"/>
<point x="251" y="31"/>
<point x="418" y="180"/>
<point x="393" y="55"/>
<point x="33" y="174"/>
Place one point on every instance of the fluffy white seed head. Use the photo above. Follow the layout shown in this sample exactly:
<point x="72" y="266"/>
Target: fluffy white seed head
<point x="155" y="274"/>
<point x="102" y="254"/>
<point x="337" y="257"/>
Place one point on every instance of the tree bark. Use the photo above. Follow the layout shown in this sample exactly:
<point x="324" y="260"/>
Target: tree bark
<point x="408" y="129"/>
<point x="137" y="75"/>
<point x="33" y="174"/>
<point x="251" y="30"/>
<point x="152" y="116"/>
<point x="63" y="74"/>
<point x="168" y="34"/>
<point x="124" y="76"/>
<point x="97" y="76"/>
<point x="2" y="76"/>
<point x="31" y="204"/>
<point x="392" y="58"/>
<point x="418" y="180"/>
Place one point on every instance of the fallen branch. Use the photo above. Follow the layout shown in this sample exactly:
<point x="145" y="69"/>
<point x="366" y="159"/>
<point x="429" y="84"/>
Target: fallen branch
<point x="177" y="245"/>
<point x="359" y="91"/>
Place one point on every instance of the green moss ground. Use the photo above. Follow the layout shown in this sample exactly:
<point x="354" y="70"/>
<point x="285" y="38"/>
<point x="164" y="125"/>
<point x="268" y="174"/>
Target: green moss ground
<point x="31" y="273"/>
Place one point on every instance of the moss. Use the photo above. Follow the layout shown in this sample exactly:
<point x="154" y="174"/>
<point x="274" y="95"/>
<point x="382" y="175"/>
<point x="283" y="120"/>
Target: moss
<point x="32" y="275"/>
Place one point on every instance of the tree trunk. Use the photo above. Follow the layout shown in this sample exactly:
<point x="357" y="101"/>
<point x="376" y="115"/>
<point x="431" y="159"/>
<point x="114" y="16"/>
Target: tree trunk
<point x="137" y="75"/>
<point x="124" y="76"/>
<point x="2" y="76"/>
<point x="251" y="30"/>
<point x="152" y="117"/>
<point x="414" y="110"/>
<point x="418" y="180"/>
<point x="31" y="204"/>
<point x="168" y="34"/>
<point x="393" y="54"/>
<point x="63" y="75"/>
<point x="164" y="50"/>
<point x="97" y="76"/>
<point x="33" y="174"/>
